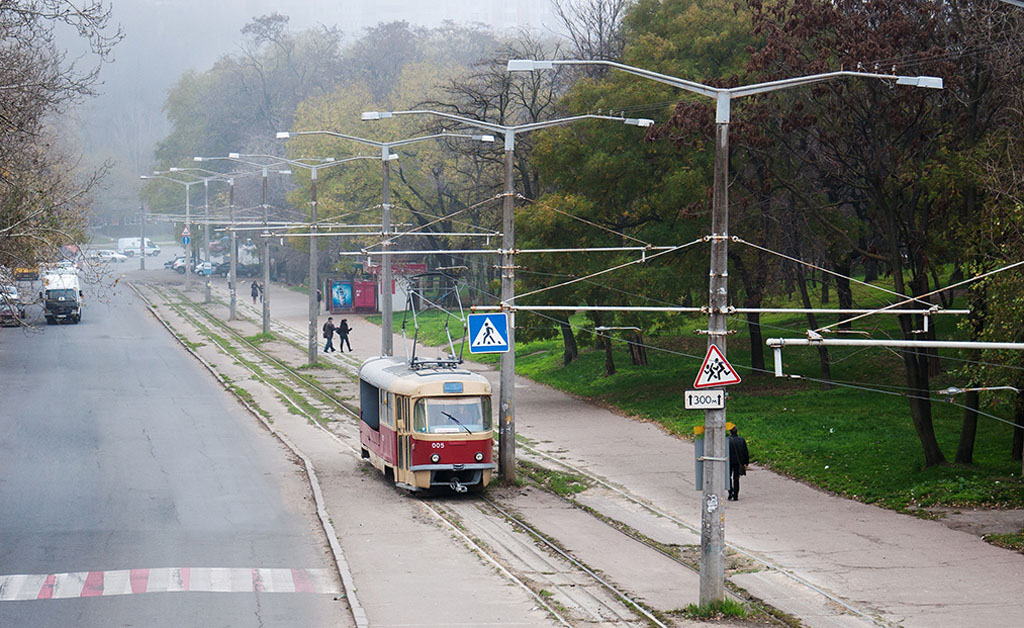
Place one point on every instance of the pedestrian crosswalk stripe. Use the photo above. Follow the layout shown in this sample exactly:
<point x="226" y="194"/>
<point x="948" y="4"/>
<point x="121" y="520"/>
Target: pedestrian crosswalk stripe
<point x="20" y="587"/>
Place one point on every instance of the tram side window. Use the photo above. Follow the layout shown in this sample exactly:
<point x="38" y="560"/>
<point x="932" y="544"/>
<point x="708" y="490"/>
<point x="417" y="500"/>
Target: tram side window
<point x="451" y="415"/>
<point x="369" y="404"/>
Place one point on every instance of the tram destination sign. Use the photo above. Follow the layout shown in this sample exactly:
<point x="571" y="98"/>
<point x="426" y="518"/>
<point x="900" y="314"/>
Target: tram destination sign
<point x="704" y="399"/>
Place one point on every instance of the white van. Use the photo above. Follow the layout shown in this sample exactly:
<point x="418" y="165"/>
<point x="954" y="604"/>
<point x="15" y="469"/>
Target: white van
<point x="130" y="247"/>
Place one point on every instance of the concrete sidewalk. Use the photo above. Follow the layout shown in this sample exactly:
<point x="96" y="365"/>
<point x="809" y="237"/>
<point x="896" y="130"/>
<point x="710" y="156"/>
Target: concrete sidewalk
<point x="881" y="567"/>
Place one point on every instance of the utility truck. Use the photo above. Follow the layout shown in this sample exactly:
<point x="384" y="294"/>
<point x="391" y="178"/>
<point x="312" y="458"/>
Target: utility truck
<point x="61" y="297"/>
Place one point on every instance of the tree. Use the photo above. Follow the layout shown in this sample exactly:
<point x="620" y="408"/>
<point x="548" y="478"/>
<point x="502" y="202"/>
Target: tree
<point x="43" y="196"/>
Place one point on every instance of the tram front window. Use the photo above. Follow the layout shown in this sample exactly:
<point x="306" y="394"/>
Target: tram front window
<point x="450" y="415"/>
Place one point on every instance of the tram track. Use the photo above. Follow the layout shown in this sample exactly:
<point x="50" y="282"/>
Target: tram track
<point x="461" y="518"/>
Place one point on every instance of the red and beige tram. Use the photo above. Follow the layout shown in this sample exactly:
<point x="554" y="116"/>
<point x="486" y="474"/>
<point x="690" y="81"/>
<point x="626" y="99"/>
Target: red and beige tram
<point x="426" y="427"/>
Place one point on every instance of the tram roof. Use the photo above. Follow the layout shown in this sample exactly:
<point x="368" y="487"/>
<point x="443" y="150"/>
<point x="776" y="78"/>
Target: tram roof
<point x="396" y="375"/>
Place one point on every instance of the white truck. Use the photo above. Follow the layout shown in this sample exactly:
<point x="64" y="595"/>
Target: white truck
<point x="61" y="297"/>
<point x="131" y="247"/>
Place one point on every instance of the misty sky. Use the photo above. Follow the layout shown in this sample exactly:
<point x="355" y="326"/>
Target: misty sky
<point x="164" y="38"/>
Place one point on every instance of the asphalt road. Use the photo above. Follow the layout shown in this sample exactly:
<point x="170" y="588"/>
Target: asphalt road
<point x="134" y="491"/>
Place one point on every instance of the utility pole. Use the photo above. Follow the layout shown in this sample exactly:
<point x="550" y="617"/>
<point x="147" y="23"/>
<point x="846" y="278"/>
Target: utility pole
<point x="712" y="513"/>
<point x="206" y="235"/>
<point x="313" y="272"/>
<point x="387" y="343"/>
<point x="142" y="237"/>
<point x="507" y="376"/>
<point x="233" y="268"/>
<point x="266" y="259"/>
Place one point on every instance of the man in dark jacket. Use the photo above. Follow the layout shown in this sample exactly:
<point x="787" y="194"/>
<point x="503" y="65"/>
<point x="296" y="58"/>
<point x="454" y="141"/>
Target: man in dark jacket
<point x="329" y="334"/>
<point x="739" y="458"/>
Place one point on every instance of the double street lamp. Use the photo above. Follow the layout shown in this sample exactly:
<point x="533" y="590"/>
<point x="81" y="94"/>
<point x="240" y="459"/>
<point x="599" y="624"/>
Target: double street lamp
<point x="716" y="472"/>
<point x="215" y="176"/>
<point x="264" y="169"/>
<point x="314" y="168"/>
<point x="188" y="219"/>
<point x="386" y="156"/>
<point x="506" y="400"/>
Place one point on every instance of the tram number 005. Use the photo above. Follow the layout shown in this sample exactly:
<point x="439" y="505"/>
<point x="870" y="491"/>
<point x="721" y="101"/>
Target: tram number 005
<point x="704" y="399"/>
<point x="436" y="445"/>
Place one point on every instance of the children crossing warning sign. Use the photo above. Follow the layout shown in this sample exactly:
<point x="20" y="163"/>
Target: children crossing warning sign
<point x="715" y="371"/>
<point x="488" y="333"/>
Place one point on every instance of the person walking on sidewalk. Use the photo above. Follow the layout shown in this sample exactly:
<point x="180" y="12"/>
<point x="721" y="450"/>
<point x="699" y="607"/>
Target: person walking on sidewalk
<point x="254" y="291"/>
<point x="343" y="331"/>
<point x="329" y="334"/>
<point x="739" y="458"/>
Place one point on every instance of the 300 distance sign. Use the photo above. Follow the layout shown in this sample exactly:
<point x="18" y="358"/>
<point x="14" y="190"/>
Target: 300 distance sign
<point x="704" y="399"/>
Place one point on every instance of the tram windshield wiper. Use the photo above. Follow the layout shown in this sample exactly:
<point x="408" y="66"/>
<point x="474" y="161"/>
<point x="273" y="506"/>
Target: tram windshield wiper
<point x="457" y="422"/>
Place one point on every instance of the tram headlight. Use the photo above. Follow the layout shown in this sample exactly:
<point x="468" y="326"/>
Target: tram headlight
<point x="435" y="458"/>
<point x="479" y="456"/>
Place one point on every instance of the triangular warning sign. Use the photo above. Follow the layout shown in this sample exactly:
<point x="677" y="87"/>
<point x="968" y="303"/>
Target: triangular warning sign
<point x="488" y="336"/>
<point x="716" y="371"/>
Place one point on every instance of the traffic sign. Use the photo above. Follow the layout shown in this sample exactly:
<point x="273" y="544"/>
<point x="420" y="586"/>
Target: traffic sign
<point x="185" y="232"/>
<point x="488" y="333"/>
<point x="704" y="399"/>
<point x="715" y="371"/>
<point x="185" y="240"/>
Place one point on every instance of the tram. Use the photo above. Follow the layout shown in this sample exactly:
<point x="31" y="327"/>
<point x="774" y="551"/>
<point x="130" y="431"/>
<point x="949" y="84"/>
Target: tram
<point x="426" y="426"/>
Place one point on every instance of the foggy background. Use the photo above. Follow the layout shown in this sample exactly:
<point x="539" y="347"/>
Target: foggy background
<point x="164" y="38"/>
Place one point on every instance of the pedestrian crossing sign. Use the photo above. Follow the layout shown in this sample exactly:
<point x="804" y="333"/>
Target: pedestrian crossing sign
<point x="488" y="333"/>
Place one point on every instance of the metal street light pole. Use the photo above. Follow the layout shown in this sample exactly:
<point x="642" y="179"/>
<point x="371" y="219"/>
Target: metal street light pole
<point x="312" y="337"/>
<point x="386" y="156"/>
<point x="264" y="171"/>
<point x="188" y="220"/>
<point x="233" y="255"/>
<point x="142" y="237"/>
<point x="716" y="471"/>
<point x="506" y="393"/>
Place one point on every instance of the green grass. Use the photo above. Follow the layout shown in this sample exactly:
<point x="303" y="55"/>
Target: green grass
<point x="716" y="610"/>
<point x="431" y="327"/>
<point x="565" y="484"/>
<point x="1009" y="541"/>
<point x="854" y="440"/>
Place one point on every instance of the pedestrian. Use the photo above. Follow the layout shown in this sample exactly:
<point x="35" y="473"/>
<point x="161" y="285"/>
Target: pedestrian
<point x="329" y="334"/>
<point x="319" y="298"/>
<point x="739" y="458"/>
<point x="261" y="292"/>
<point x="254" y="291"/>
<point x="343" y="330"/>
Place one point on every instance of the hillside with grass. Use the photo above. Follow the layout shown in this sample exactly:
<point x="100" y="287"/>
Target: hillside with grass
<point x="852" y="436"/>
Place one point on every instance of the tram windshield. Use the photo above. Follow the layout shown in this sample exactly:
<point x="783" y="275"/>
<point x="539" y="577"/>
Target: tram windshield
<point x="450" y="415"/>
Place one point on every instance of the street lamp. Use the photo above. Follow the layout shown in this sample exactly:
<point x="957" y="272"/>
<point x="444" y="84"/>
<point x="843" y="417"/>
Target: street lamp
<point x="265" y="171"/>
<point x="386" y="156"/>
<point x="314" y="168"/>
<point x="716" y="471"/>
<point x="506" y="393"/>
<point x="217" y="176"/>
<point x="188" y="218"/>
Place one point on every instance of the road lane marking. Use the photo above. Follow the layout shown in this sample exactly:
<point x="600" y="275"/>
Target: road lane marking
<point x="74" y="584"/>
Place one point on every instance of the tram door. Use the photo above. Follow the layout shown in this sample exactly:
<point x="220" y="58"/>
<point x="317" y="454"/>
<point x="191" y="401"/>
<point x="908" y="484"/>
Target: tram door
<point x="403" y="427"/>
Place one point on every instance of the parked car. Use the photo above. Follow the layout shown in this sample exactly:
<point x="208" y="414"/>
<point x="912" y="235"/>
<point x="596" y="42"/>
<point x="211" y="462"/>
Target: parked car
<point x="11" y="307"/>
<point x="107" y="255"/>
<point x="179" y="266"/>
<point x="172" y="264"/>
<point x="242" y="270"/>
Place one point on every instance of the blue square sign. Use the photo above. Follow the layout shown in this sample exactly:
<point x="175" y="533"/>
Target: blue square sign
<point x="488" y="333"/>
